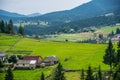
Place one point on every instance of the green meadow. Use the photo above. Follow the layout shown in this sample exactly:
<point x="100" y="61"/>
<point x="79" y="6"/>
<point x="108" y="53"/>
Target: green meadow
<point x="72" y="55"/>
<point x="84" y="35"/>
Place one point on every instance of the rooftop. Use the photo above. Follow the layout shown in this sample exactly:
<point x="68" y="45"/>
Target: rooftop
<point x="31" y="57"/>
<point x="2" y="54"/>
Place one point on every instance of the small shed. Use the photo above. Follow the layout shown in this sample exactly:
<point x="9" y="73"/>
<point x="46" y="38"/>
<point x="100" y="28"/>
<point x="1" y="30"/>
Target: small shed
<point x="2" y="56"/>
<point x="50" y="60"/>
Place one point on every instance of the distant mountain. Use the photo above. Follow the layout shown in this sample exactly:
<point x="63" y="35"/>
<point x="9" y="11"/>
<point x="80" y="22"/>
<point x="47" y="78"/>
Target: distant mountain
<point x="87" y="10"/>
<point x="91" y="9"/>
<point x="34" y="14"/>
<point x="10" y="14"/>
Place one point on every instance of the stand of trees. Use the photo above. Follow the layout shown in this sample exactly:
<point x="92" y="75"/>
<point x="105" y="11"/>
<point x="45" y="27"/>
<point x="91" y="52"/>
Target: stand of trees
<point x="8" y="28"/>
<point x="9" y="75"/>
<point x="114" y="33"/>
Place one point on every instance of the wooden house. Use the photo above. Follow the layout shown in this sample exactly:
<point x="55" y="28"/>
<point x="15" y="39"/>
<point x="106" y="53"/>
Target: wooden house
<point x="37" y="58"/>
<point x="50" y="60"/>
<point x="26" y="64"/>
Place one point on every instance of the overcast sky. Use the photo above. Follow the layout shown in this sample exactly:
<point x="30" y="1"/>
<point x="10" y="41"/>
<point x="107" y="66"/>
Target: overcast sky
<point x="39" y="6"/>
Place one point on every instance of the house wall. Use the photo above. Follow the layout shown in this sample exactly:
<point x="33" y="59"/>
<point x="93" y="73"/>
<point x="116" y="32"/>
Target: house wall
<point x="22" y="65"/>
<point x="2" y="58"/>
<point x="39" y="60"/>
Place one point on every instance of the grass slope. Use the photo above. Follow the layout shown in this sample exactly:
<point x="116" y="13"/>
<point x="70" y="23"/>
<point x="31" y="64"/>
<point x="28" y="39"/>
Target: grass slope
<point x="80" y="55"/>
<point x="77" y="55"/>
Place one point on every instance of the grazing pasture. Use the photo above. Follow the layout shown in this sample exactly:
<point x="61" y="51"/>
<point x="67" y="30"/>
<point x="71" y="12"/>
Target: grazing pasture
<point x="72" y="55"/>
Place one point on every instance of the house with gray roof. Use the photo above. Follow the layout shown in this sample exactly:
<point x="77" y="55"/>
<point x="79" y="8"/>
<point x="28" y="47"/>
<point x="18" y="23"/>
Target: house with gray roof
<point x="50" y="60"/>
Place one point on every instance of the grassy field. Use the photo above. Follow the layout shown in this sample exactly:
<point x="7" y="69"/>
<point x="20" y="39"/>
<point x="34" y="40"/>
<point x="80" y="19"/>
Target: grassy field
<point x="83" y="36"/>
<point x="71" y="37"/>
<point x="106" y="30"/>
<point x="78" y="55"/>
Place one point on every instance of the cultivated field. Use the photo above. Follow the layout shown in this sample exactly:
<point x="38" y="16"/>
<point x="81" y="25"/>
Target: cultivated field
<point x="72" y="55"/>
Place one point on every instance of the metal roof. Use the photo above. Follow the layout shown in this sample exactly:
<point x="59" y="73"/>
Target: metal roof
<point x="33" y="62"/>
<point x="2" y="54"/>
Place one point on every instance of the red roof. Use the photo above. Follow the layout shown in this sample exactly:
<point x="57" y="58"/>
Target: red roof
<point x="32" y="58"/>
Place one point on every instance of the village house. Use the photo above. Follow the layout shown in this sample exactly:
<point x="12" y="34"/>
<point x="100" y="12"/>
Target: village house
<point x="29" y="62"/>
<point x="2" y="56"/>
<point x="37" y="58"/>
<point x="116" y="38"/>
<point x="49" y="61"/>
<point x="26" y="64"/>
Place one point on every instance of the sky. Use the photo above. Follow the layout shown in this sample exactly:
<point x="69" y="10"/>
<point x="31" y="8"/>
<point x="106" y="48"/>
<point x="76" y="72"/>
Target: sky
<point x="39" y="6"/>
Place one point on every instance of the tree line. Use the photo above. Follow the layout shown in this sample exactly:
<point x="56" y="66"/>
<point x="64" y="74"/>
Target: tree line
<point x="9" y="28"/>
<point x="89" y="74"/>
<point x="114" y="33"/>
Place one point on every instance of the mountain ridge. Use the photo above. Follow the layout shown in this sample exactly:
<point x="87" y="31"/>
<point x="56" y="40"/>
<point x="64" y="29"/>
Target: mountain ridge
<point x="10" y="14"/>
<point x="87" y="10"/>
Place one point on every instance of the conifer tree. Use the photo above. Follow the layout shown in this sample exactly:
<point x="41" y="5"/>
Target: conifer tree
<point x="42" y="76"/>
<point x="109" y="55"/>
<point x="82" y="75"/>
<point x="1" y="63"/>
<point x="9" y="74"/>
<point x="89" y="74"/>
<point x="117" y="31"/>
<point x="99" y="74"/>
<point x="58" y="73"/>
<point x="117" y="73"/>
<point x="6" y="28"/>
<point x="21" y="31"/>
<point x="118" y="44"/>
<point x="11" y="27"/>
<point x="117" y="59"/>
<point x="2" y="26"/>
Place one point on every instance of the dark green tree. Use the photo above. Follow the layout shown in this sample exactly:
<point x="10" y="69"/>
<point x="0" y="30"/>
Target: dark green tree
<point x="2" y="26"/>
<point x="100" y="36"/>
<point x="1" y="63"/>
<point x="12" y="59"/>
<point x="109" y="55"/>
<point x="117" y="73"/>
<point x="82" y="75"/>
<point x="7" y="28"/>
<point x="117" y="58"/>
<point x="21" y="31"/>
<point x="58" y="73"/>
<point x="117" y="31"/>
<point x="42" y="76"/>
<point x="11" y="27"/>
<point x="111" y="34"/>
<point x="99" y="74"/>
<point x="9" y="75"/>
<point x="118" y="44"/>
<point x="89" y="74"/>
